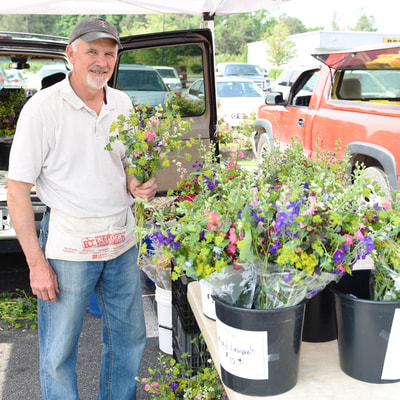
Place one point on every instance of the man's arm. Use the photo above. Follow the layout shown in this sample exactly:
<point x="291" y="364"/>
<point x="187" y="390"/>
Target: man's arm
<point x="43" y="278"/>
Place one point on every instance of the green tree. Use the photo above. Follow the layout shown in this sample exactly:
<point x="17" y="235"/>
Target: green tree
<point x="365" y="23"/>
<point x="233" y="32"/>
<point x="335" y="22"/>
<point x="42" y="24"/>
<point x="280" y="50"/>
<point x="293" y="24"/>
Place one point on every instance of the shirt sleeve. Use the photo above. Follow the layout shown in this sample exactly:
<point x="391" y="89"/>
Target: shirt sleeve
<point x="29" y="147"/>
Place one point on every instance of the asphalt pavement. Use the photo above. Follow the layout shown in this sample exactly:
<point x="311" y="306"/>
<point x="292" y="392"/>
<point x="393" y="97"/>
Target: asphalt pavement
<point x="19" y="350"/>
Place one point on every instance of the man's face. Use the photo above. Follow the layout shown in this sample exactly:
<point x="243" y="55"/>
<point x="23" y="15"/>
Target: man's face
<point x="93" y="62"/>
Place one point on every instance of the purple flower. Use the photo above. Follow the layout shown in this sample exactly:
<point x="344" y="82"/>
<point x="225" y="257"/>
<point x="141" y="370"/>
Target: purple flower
<point x="338" y="256"/>
<point x="369" y="245"/>
<point x="174" y="385"/>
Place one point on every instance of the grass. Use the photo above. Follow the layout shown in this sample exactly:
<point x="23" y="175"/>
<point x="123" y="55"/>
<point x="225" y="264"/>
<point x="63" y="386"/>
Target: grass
<point x="18" y="310"/>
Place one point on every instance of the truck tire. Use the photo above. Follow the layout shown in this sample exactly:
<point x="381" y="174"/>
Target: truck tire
<point x="263" y="148"/>
<point x="378" y="175"/>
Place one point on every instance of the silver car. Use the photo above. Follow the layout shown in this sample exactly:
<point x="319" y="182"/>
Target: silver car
<point x="143" y="84"/>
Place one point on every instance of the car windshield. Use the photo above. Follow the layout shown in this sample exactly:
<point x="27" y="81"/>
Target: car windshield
<point x="146" y="80"/>
<point x="245" y="69"/>
<point x="167" y="72"/>
<point x="237" y="89"/>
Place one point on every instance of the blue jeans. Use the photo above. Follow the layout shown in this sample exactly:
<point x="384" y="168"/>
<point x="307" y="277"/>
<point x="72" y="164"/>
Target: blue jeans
<point x="116" y="284"/>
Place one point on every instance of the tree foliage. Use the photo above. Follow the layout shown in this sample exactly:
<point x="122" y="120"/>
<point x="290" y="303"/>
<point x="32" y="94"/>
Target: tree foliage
<point x="365" y="24"/>
<point x="280" y="50"/>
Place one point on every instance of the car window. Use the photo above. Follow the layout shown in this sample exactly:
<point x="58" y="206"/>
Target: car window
<point x="29" y="72"/>
<point x="304" y="88"/>
<point x="288" y="77"/>
<point x="245" y="69"/>
<point x="368" y="85"/>
<point x="237" y="89"/>
<point x="148" y="76"/>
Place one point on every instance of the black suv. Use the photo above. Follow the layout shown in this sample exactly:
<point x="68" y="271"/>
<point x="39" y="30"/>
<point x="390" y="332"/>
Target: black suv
<point x="30" y="54"/>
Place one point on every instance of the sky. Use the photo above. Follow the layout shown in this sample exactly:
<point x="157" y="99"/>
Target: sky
<point x="320" y="13"/>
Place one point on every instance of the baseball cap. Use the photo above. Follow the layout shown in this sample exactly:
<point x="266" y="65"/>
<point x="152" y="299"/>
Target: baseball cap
<point x="93" y="28"/>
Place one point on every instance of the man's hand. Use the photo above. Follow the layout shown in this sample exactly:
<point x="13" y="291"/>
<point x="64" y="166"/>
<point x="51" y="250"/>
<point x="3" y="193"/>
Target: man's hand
<point x="43" y="280"/>
<point x="42" y="276"/>
<point x="144" y="191"/>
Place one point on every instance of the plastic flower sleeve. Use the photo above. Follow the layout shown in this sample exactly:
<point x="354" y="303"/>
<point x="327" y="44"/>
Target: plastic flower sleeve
<point x="235" y="285"/>
<point x="384" y="283"/>
<point x="279" y="286"/>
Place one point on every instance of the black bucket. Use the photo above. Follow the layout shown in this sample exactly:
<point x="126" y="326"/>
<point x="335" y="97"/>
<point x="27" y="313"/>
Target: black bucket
<point x="320" y="318"/>
<point x="259" y="349"/>
<point x="364" y="328"/>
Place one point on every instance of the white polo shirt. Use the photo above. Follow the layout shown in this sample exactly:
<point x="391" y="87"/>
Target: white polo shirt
<point x="59" y="146"/>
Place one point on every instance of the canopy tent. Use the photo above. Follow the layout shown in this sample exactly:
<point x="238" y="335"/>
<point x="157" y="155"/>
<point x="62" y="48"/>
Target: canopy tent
<point x="197" y="7"/>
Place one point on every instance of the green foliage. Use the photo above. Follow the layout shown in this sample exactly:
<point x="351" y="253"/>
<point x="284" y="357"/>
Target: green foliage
<point x="10" y="110"/>
<point x="280" y="50"/>
<point x="274" y="73"/>
<point x="174" y="380"/>
<point x="16" y="307"/>
<point x="187" y="107"/>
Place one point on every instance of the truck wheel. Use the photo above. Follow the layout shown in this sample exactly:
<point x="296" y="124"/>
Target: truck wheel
<point x="263" y="148"/>
<point x="379" y="176"/>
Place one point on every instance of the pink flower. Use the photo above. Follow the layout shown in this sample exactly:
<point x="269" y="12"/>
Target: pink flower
<point x="198" y="396"/>
<point x="232" y="248"/>
<point x="359" y="236"/>
<point x="349" y="239"/>
<point x="341" y="268"/>
<point x="241" y="154"/>
<point x="147" y="387"/>
<point x="150" y="135"/>
<point x="155" y="385"/>
<point x="155" y="119"/>
<point x="232" y="236"/>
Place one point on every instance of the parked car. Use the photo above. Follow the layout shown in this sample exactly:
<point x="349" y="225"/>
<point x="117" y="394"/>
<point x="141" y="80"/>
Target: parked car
<point x="286" y="80"/>
<point x="15" y="78"/>
<point x="143" y="84"/>
<point x="196" y="90"/>
<point x="247" y="71"/>
<point x="171" y="78"/>
<point x="31" y="52"/>
<point x="238" y="99"/>
<point x="182" y="75"/>
<point x="354" y="98"/>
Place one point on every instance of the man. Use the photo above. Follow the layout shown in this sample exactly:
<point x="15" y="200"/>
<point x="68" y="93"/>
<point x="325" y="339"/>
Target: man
<point x="86" y="242"/>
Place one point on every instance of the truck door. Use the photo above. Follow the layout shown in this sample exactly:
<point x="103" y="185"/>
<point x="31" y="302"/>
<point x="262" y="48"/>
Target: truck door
<point x="135" y="74"/>
<point x="296" y="119"/>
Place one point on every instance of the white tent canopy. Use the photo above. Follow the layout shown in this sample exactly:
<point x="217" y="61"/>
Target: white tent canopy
<point x="104" y="7"/>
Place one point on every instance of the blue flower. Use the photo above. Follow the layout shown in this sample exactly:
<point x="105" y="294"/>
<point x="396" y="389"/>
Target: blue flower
<point x="339" y="256"/>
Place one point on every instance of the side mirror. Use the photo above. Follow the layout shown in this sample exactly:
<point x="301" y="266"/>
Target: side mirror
<point x="274" y="98"/>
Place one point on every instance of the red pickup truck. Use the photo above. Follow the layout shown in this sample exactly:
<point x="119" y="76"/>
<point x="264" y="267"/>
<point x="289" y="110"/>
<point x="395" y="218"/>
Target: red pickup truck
<point x="353" y="96"/>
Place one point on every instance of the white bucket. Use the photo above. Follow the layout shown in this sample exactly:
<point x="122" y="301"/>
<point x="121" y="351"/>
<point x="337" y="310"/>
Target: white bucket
<point x="164" y="314"/>
<point x="207" y="301"/>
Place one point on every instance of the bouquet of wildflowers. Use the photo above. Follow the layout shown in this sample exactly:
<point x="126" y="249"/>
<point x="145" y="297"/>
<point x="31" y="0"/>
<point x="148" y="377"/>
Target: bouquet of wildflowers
<point x="150" y="136"/>
<point x="205" y="238"/>
<point x="385" y="278"/>
<point x="300" y="222"/>
<point x="308" y="225"/>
